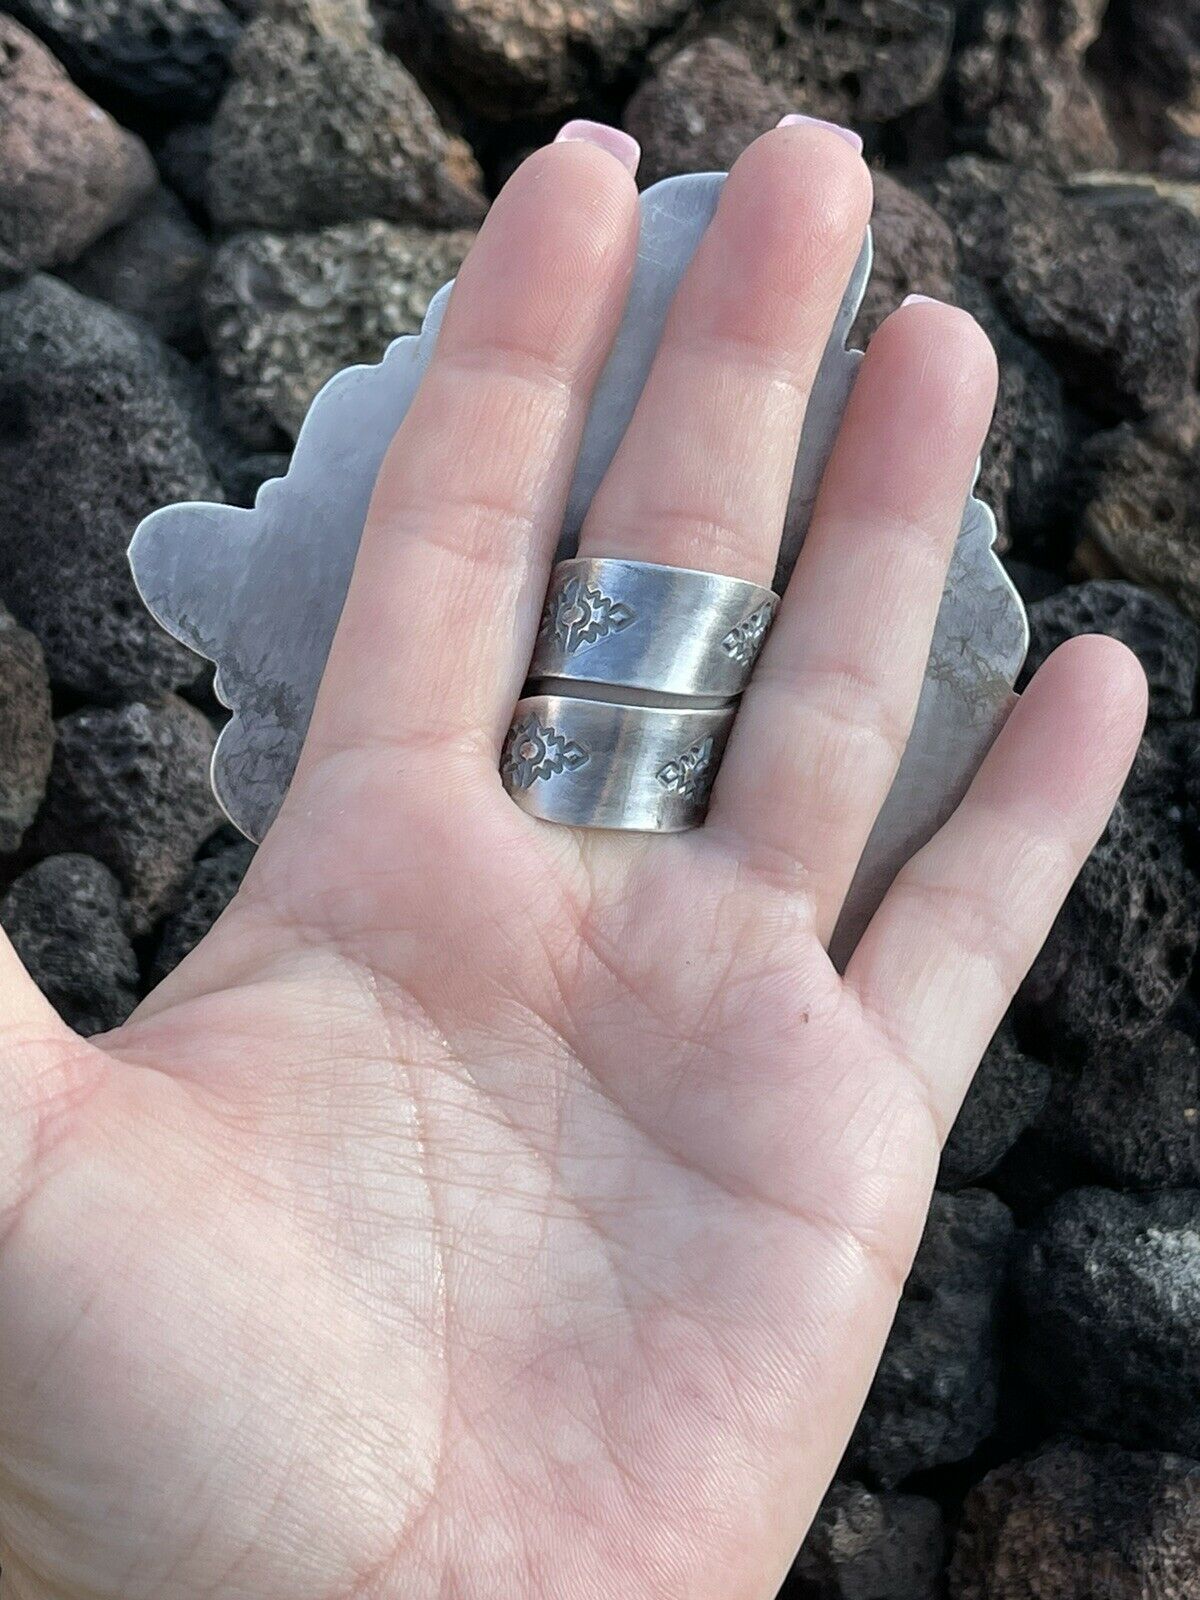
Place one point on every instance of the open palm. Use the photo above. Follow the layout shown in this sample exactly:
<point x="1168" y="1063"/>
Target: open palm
<point x="487" y="1209"/>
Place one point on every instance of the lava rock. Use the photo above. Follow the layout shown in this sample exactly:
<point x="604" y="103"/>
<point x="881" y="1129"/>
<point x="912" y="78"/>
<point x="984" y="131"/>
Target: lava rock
<point x="1158" y="42"/>
<point x="285" y="312"/>
<point x="213" y="882"/>
<point x="92" y="437"/>
<point x="1133" y="1112"/>
<point x="131" y="783"/>
<point x="322" y="126"/>
<point x="507" y="60"/>
<point x="26" y="730"/>
<point x="67" y="171"/>
<point x="700" y="110"/>
<point x="1143" y="501"/>
<point x="1033" y="583"/>
<point x="1081" y="1522"/>
<point x="865" y="1546"/>
<point x="915" y="253"/>
<point x="67" y="922"/>
<point x="855" y="62"/>
<point x="1005" y="1098"/>
<point x="164" y="57"/>
<point x="1108" y="1287"/>
<point x="1104" y="280"/>
<point x="184" y="155"/>
<point x="1165" y="641"/>
<point x="247" y="477"/>
<point x="152" y="267"/>
<point x="1018" y="89"/>
<point x="1123" y="945"/>
<point x="934" y="1396"/>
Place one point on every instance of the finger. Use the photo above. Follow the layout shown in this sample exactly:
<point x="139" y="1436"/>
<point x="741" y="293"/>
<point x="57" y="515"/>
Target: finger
<point x="436" y="633"/>
<point x="960" y="927"/>
<point x="827" y="715"/>
<point x="701" y="477"/>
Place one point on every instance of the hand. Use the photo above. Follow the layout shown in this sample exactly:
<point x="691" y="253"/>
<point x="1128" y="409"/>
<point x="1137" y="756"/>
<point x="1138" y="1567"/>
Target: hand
<point x="490" y="1210"/>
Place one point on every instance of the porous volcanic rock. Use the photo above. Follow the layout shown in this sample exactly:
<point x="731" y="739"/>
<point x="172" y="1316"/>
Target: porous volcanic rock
<point x="1123" y="945"/>
<point x="1081" y="1522"/>
<point x="934" y="1396"/>
<point x="1004" y="1099"/>
<point x="1108" y="1288"/>
<point x="865" y="1546"/>
<point x="1018" y="86"/>
<point x="211" y="885"/>
<point x="321" y="125"/>
<point x="131" y="784"/>
<point x="92" y="437"/>
<point x="1143" y="500"/>
<point x="700" y="110"/>
<point x="1104" y="280"/>
<point x="285" y="312"/>
<point x="1165" y="641"/>
<point x="67" y="171"/>
<point x="165" y="57"/>
<point x="915" y="253"/>
<point x="153" y="267"/>
<point x="26" y="730"/>
<point x="67" y="922"/>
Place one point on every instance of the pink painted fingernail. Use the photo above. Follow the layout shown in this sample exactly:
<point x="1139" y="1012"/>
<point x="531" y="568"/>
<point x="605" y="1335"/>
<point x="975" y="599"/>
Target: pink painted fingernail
<point x="795" y="120"/>
<point x="919" y="300"/>
<point x="615" y="140"/>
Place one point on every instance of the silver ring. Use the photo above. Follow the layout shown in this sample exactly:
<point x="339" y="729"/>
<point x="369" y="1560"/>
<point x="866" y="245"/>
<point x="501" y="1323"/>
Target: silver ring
<point x="669" y="631"/>
<point x="603" y="764"/>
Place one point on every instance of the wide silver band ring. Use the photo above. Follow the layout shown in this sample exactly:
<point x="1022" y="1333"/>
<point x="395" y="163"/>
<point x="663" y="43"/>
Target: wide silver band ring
<point x="670" y="631"/>
<point x="604" y="764"/>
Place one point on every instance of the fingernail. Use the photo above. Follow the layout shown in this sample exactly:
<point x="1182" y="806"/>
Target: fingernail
<point x="919" y="300"/>
<point x="795" y="120"/>
<point x="615" y="140"/>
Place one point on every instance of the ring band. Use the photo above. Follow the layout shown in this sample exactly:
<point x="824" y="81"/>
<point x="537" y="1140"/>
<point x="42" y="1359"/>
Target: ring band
<point x="603" y="764"/>
<point x="666" y="630"/>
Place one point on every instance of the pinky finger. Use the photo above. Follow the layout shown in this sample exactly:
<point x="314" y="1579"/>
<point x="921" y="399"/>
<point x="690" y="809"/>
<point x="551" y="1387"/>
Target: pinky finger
<point x="965" y="918"/>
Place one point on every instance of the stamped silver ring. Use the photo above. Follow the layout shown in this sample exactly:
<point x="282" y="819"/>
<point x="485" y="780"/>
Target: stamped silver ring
<point x="605" y="764"/>
<point x="670" y="631"/>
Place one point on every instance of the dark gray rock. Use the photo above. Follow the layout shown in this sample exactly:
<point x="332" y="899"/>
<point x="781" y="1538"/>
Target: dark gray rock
<point x="1004" y="1099"/>
<point x="1122" y="947"/>
<point x="935" y="1394"/>
<point x="67" y="922"/>
<point x="1103" y="279"/>
<point x="321" y="125"/>
<point x="67" y="171"/>
<point x="915" y="253"/>
<point x="285" y="312"/>
<point x="1018" y="86"/>
<point x="1081" y="1522"/>
<point x="247" y="477"/>
<point x="152" y="267"/>
<point x="1033" y="582"/>
<point x="700" y="110"/>
<point x="1108" y="1287"/>
<point x="211" y="885"/>
<point x="92" y="438"/>
<point x="26" y="730"/>
<point x="865" y="1546"/>
<point x="131" y="783"/>
<point x="1165" y="641"/>
<point x="184" y="155"/>
<point x="165" y="57"/>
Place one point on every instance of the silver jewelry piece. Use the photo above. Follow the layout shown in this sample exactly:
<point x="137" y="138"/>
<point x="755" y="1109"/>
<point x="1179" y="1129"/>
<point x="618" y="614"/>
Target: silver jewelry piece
<point x="637" y="625"/>
<point x="607" y="764"/>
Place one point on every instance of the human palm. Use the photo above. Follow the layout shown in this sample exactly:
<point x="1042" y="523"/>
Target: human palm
<point x="487" y="1208"/>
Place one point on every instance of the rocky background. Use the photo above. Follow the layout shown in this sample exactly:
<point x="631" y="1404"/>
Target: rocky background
<point x="208" y="206"/>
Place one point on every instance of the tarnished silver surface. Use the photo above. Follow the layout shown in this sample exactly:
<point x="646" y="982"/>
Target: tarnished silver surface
<point x="604" y="764"/>
<point x="643" y="625"/>
<point x="259" y="592"/>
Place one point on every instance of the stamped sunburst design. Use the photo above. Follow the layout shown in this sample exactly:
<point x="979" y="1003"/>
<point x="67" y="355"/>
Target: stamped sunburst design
<point x="745" y="641"/>
<point x="533" y="750"/>
<point x="580" y="613"/>
<point x="691" y="774"/>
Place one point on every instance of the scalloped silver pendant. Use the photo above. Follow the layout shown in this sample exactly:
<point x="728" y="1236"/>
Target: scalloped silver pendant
<point x="259" y="592"/>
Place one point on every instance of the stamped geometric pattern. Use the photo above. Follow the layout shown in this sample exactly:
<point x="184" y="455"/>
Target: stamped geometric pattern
<point x="691" y="774"/>
<point x="533" y="751"/>
<point x="580" y="614"/>
<point x="744" y="642"/>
